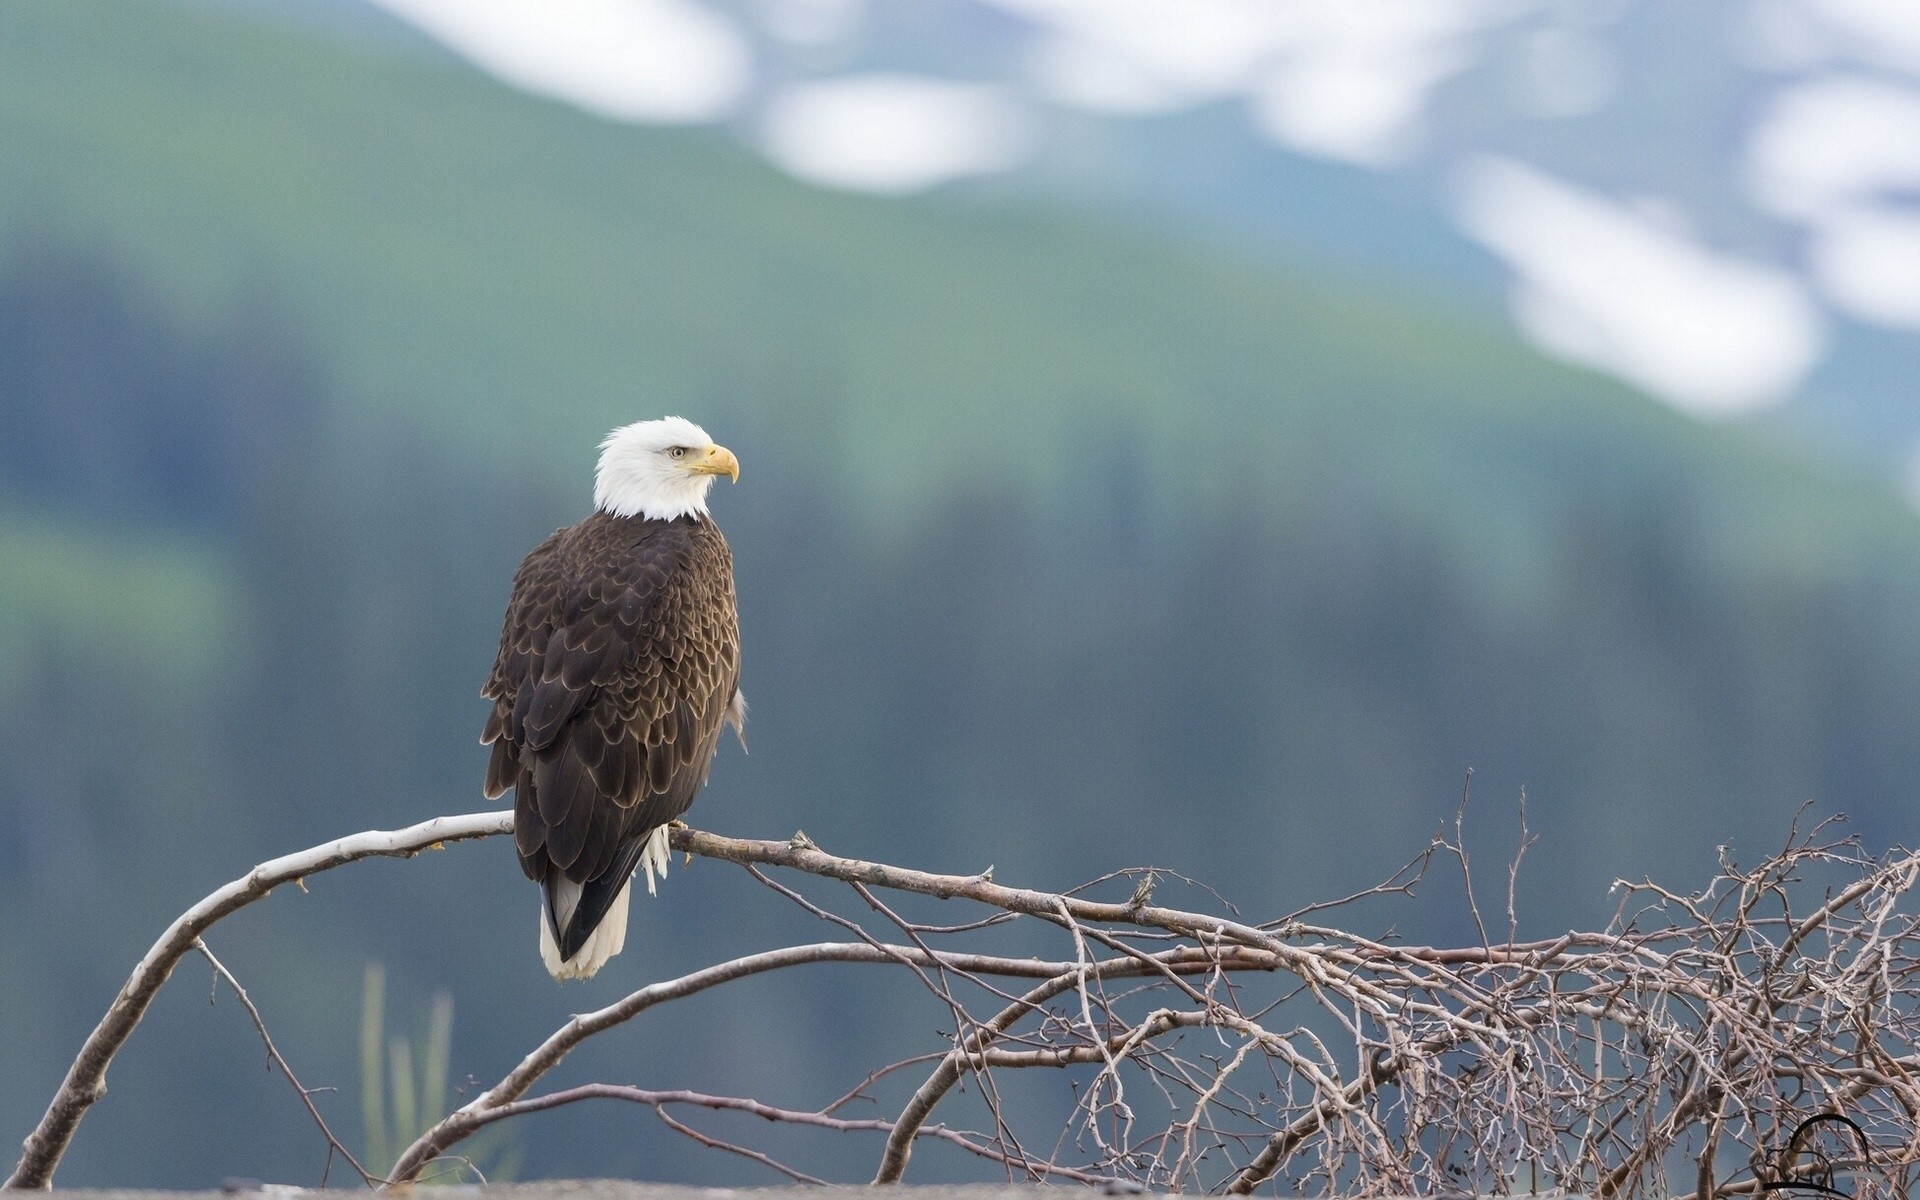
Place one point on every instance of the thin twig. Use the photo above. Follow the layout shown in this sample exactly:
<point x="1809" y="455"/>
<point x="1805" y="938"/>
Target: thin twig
<point x="822" y="1119"/>
<point x="275" y="1058"/>
<point x="765" y="1160"/>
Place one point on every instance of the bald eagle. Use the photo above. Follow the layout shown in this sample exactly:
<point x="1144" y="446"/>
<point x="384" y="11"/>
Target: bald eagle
<point x="619" y="662"/>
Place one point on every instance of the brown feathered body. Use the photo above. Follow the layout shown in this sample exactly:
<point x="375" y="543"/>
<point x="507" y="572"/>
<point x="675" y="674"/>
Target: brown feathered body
<point x="619" y="662"/>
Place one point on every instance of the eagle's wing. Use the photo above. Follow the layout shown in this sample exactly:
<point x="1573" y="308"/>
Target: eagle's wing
<point x="618" y="660"/>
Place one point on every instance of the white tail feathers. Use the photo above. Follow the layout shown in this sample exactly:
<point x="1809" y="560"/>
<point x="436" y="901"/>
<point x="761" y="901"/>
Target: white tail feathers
<point x="608" y="937"/>
<point x="602" y="944"/>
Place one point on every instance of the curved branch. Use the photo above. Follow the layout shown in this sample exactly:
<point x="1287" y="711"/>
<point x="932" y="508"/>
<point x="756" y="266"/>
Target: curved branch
<point x="803" y="855"/>
<point x="714" y="1143"/>
<point x="893" y="1163"/>
<point x="1186" y="960"/>
<point x="462" y="1122"/>
<point x="86" y="1079"/>
<point x="769" y="1112"/>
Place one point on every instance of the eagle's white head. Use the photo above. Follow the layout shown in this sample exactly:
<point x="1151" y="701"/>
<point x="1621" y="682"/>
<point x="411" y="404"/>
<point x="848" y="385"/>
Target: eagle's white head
<point x="659" y="469"/>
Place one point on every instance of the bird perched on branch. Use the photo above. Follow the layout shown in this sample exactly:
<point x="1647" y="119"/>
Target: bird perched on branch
<point x="619" y="662"/>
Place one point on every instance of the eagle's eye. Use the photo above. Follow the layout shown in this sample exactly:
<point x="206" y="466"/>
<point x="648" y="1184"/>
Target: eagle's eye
<point x="678" y="451"/>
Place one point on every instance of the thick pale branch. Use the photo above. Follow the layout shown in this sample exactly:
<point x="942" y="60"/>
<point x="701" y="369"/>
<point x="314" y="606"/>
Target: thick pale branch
<point x="804" y="856"/>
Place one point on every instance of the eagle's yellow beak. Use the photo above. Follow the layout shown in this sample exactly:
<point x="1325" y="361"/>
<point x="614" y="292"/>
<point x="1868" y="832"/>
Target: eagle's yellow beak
<point x="718" y="460"/>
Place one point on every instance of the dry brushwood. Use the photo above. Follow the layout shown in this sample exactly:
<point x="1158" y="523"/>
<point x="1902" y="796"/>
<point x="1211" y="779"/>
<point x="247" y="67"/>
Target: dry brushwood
<point x="1678" y="1048"/>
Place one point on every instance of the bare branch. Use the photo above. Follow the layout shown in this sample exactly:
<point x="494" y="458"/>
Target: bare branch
<point x="86" y="1079"/>
<point x="1205" y="1052"/>
<point x="805" y="856"/>
<point x="821" y="1119"/>
<point x="461" y="1123"/>
<point x="766" y="1160"/>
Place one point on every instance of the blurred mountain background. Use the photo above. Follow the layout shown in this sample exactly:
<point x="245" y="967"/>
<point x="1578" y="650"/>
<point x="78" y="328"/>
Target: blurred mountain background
<point x="1195" y="450"/>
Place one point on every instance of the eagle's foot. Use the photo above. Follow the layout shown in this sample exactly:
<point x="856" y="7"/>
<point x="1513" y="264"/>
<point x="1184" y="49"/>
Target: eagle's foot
<point x="686" y="856"/>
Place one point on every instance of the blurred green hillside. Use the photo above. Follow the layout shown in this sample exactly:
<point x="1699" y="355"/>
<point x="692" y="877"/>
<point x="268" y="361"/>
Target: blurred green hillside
<point x="514" y="277"/>
<point x="1060" y="547"/>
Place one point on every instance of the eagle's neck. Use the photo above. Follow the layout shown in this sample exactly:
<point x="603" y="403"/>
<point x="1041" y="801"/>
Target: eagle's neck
<point x="651" y="494"/>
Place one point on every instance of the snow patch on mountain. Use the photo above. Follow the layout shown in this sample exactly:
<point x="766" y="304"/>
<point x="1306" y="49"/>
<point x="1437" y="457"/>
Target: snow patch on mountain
<point x="651" y="61"/>
<point x="893" y="133"/>
<point x="1625" y="290"/>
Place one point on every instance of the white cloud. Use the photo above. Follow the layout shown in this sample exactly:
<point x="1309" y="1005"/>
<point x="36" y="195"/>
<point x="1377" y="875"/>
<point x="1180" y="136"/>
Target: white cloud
<point x="893" y="133"/>
<point x="1351" y="80"/>
<point x="632" y="60"/>
<point x="1619" y="289"/>
<point x="1835" y="143"/>
<point x="1868" y="263"/>
<point x="1087" y="74"/>
<point x="1832" y="154"/>
<point x="1345" y="79"/>
<point x="1360" y="105"/>
<point x="1881" y="31"/>
<point x="1203" y="49"/>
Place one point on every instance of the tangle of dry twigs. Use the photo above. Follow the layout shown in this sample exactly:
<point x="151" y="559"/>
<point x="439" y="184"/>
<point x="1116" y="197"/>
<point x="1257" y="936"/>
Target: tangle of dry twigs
<point x="1679" y="1047"/>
